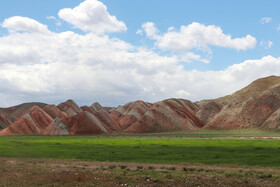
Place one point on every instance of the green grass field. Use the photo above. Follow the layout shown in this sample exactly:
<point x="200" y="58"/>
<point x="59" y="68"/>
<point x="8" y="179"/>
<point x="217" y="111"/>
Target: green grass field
<point x="252" y="152"/>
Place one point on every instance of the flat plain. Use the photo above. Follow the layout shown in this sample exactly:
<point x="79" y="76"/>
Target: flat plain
<point x="233" y="157"/>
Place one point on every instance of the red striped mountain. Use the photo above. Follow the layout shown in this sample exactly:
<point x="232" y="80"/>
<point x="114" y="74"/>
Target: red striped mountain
<point x="130" y="113"/>
<point x="11" y="114"/>
<point x="103" y="116"/>
<point x="70" y="107"/>
<point x="253" y="106"/>
<point x="67" y="118"/>
<point x="167" y="115"/>
<point x="207" y="111"/>
<point x="86" y="123"/>
<point x="4" y="120"/>
<point x="33" y="122"/>
<point x="273" y="122"/>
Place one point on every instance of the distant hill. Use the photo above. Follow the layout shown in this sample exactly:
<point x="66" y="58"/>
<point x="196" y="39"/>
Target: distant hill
<point x="255" y="106"/>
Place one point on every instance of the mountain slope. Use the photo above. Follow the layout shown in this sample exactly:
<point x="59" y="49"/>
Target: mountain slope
<point x="84" y="123"/>
<point x="33" y="122"/>
<point x="131" y="112"/>
<point x="249" y="107"/>
<point x="50" y="120"/>
<point x="167" y="115"/>
<point x="11" y="114"/>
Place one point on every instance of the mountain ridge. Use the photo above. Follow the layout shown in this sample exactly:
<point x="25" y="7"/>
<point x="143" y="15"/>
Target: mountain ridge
<point x="254" y="106"/>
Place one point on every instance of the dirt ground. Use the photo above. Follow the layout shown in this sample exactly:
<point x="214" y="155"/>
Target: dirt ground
<point x="42" y="172"/>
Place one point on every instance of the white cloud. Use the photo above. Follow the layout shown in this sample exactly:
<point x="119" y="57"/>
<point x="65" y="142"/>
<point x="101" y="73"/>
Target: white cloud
<point x="69" y="65"/>
<point x="57" y="21"/>
<point x="190" y="57"/>
<point x="199" y="36"/>
<point x="266" y="44"/>
<point x="18" y="23"/>
<point x="183" y="93"/>
<point x="150" y="30"/>
<point x="139" y="32"/>
<point x="265" y="20"/>
<point x="51" y="17"/>
<point x="88" y="68"/>
<point x="171" y="29"/>
<point x="195" y="36"/>
<point x="213" y="84"/>
<point x="92" y="16"/>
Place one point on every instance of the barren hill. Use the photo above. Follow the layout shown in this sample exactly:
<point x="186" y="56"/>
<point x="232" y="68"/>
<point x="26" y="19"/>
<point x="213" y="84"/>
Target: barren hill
<point x="255" y="106"/>
<point x="11" y="114"/>
<point x="167" y="115"/>
<point x="250" y="106"/>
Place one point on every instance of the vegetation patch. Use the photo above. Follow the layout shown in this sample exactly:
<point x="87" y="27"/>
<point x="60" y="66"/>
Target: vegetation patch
<point x="252" y="152"/>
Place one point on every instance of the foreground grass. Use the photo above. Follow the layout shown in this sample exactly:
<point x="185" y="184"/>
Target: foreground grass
<point x="265" y="153"/>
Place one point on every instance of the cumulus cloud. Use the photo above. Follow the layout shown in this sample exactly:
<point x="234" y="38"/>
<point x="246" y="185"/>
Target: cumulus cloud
<point x="190" y="57"/>
<point x="18" y="23"/>
<point x="69" y="65"/>
<point x="265" y="20"/>
<point x="87" y="68"/>
<point x="150" y="29"/>
<point x="195" y="36"/>
<point x="199" y="36"/>
<point x="92" y="16"/>
<point x="266" y="44"/>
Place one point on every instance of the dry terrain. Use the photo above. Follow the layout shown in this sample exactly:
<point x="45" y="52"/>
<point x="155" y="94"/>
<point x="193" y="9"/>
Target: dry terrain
<point x="44" y="172"/>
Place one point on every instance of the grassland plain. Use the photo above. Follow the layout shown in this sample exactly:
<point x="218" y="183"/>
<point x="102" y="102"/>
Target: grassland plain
<point x="171" y="150"/>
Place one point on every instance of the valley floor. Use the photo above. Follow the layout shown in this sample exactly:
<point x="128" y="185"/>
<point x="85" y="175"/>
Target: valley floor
<point x="45" y="172"/>
<point x="192" y="158"/>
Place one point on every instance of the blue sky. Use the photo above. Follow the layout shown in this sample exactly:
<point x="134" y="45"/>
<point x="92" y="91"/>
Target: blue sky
<point x="191" y="42"/>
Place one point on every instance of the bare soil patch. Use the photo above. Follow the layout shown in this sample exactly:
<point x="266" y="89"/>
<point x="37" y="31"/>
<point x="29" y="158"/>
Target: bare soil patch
<point x="44" y="172"/>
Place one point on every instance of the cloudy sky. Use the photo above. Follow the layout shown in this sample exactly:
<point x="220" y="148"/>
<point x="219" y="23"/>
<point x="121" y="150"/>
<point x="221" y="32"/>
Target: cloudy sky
<point x="114" y="52"/>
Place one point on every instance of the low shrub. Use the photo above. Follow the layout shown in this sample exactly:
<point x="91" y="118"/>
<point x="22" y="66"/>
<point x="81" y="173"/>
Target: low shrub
<point x="123" y="166"/>
<point x="151" y="168"/>
<point x="112" y="166"/>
